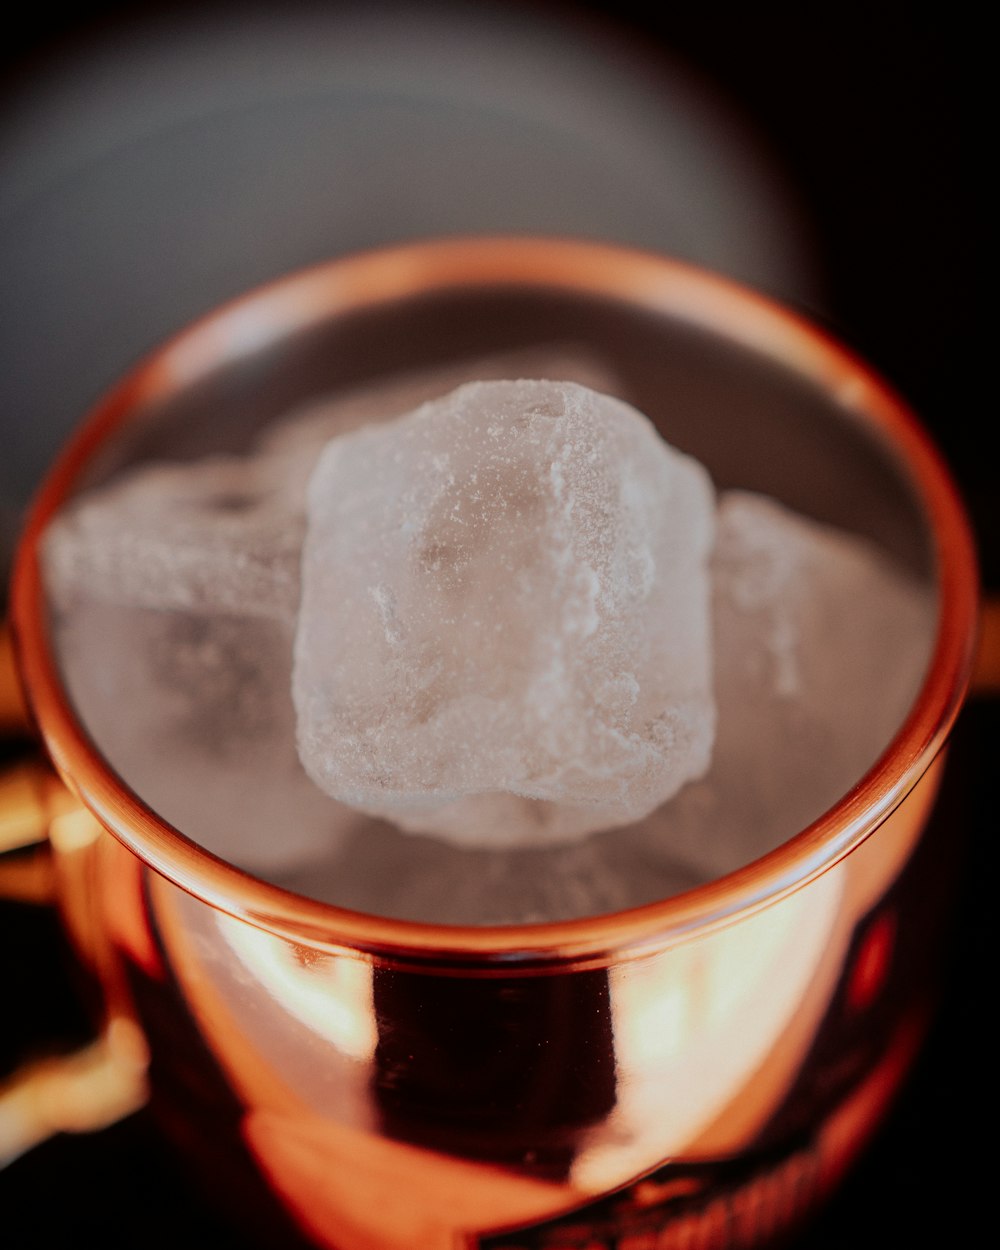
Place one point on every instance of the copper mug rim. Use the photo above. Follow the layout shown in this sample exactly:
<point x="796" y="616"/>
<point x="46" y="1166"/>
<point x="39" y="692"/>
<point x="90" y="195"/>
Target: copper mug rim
<point x="653" y="282"/>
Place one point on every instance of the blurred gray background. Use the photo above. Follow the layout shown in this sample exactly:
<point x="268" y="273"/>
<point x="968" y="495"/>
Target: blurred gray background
<point x="152" y="171"/>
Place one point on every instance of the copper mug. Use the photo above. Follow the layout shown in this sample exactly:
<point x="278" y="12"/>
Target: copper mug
<point x="694" y="1073"/>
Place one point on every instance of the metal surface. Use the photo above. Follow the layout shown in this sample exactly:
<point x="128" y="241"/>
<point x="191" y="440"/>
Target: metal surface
<point x="718" y="1057"/>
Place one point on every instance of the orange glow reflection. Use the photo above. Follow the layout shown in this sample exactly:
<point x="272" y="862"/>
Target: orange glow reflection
<point x="698" y="1028"/>
<point x="330" y="996"/>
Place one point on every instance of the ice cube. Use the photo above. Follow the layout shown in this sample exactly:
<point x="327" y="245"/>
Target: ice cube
<point x="295" y="441"/>
<point x="175" y="589"/>
<point x="820" y="647"/>
<point x="821" y="644"/>
<point x="194" y="712"/>
<point x="223" y="535"/>
<point x="506" y="592"/>
<point x="178" y="590"/>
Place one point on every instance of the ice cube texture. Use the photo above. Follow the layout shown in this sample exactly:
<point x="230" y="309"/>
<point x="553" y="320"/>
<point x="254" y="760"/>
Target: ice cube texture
<point x="176" y="594"/>
<point x="820" y="643"/>
<point x="506" y="593"/>
<point x="224" y="534"/>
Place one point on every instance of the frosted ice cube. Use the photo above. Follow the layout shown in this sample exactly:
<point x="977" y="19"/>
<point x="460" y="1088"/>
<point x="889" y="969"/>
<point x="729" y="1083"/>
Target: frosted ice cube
<point x="821" y="644"/>
<point x="176" y="588"/>
<point x="225" y="534"/>
<point x="506" y="591"/>
<point x="219" y="535"/>
<point x="296" y="440"/>
<point x="195" y="713"/>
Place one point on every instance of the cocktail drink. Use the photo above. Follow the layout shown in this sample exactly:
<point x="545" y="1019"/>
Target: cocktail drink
<point x="512" y="619"/>
<point x="610" y="931"/>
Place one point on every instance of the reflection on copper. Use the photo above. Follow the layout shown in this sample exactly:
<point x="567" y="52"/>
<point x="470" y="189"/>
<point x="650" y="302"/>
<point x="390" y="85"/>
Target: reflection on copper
<point x="849" y="1129"/>
<point x="80" y="1093"/>
<point x="664" y="287"/>
<point x="766" y="981"/>
<point x="332" y="997"/>
<point x="721" y="1055"/>
<point x="349" y="1186"/>
<point x="871" y="966"/>
<point x="30" y="799"/>
<point x="14" y="719"/>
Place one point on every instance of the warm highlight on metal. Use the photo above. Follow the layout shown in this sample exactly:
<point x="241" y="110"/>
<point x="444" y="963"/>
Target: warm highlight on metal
<point x="368" y="1082"/>
<point x="661" y="285"/>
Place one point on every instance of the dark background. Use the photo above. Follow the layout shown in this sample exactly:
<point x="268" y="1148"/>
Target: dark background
<point x="876" y="112"/>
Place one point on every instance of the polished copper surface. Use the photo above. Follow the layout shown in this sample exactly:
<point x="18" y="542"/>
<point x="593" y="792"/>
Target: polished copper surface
<point x="711" y="1062"/>
<point x="13" y="713"/>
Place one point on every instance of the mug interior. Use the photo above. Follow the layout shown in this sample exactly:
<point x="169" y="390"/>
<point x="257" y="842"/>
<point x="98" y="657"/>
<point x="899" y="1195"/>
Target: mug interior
<point x="755" y="423"/>
<point x="764" y="420"/>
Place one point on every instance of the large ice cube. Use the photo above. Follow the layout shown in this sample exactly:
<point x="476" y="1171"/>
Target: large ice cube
<point x="294" y="442"/>
<point x="505" y="593"/>
<point x="179" y="591"/>
<point x="820" y="647"/>
<point x="175" y="589"/>
<point x="224" y="534"/>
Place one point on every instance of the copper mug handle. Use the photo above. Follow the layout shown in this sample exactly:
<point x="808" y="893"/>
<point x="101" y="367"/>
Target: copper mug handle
<point x="105" y="1080"/>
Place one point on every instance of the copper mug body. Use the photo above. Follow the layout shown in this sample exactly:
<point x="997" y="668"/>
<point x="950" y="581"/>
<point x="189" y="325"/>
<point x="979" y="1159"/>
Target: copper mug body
<point x="694" y="1073"/>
